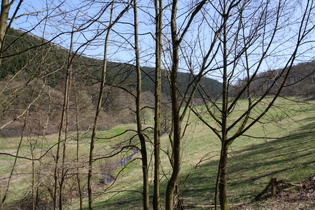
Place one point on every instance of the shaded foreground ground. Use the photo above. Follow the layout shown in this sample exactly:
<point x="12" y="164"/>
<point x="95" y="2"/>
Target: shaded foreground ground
<point x="300" y="197"/>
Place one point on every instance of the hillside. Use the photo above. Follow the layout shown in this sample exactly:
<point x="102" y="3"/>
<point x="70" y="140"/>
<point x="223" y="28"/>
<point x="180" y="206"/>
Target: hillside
<point x="286" y="154"/>
<point x="300" y="81"/>
<point x="33" y="73"/>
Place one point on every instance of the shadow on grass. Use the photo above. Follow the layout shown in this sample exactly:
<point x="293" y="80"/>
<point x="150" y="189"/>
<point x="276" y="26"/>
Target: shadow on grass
<point x="290" y="158"/>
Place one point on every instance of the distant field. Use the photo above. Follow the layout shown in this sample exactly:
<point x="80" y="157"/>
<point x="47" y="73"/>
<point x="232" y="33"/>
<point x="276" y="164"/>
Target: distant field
<point x="280" y="146"/>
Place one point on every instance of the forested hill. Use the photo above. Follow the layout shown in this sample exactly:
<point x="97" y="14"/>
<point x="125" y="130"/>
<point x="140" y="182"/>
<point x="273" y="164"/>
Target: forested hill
<point x="33" y="57"/>
<point x="299" y="82"/>
<point x="22" y="51"/>
<point x="32" y="78"/>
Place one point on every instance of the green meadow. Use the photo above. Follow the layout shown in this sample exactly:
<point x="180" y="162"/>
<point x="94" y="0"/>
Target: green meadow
<point x="281" y="145"/>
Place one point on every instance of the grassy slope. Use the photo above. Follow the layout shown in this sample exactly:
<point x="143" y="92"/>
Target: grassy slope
<point x="287" y="153"/>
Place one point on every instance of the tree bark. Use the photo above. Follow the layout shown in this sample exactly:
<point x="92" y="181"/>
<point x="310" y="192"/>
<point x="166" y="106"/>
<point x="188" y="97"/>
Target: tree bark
<point x="98" y="109"/>
<point x="4" y="15"/>
<point x="222" y="177"/>
<point x="78" y="149"/>
<point x="157" y="113"/>
<point x="172" y="184"/>
<point x="224" y="115"/>
<point x="145" y="190"/>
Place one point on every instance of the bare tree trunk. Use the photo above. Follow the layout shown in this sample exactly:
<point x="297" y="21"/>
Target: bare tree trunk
<point x="98" y="109"/>
<point x="222" y="177"/>
<point x="4" y="17"/>
<point x="66" y="107"/>
<point x="225" y="97"/>
<point x="157" y="112"/>
<point x="5" y="7"/>
<point x="32" y="148"/>
<point x="145" y="178"/>
<point x="60" y="178"/>
<point x="172" y="184"/>
<point x="78" y="150"/>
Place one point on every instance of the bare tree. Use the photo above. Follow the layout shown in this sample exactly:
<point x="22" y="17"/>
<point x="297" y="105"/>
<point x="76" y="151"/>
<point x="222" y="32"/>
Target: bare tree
<point x="143" y="149"/>
<point x="5" y="7"/>
<point x="180" y="103"/>
<point x="99" y="104"/>
<point x="5" y="21"/>
<point x="100" y="96"/>
<point x="157" y="111"/>
<point x="247" y="36"/>
<point x="63" y="130"/>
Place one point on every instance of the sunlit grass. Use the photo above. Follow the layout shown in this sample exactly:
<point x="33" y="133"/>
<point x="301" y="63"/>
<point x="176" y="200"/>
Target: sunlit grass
<point x="280" y="145"/>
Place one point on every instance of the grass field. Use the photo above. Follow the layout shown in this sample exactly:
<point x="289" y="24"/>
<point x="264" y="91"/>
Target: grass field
<point x="280" y="146"/>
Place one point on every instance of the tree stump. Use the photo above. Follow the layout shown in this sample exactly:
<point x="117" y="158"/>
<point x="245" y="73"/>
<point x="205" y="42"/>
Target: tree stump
<point x="273" y="185"/>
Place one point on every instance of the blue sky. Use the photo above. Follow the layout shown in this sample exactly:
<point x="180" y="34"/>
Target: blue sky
<point x="65" y="18"/>
<point x="121" y="38"/>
